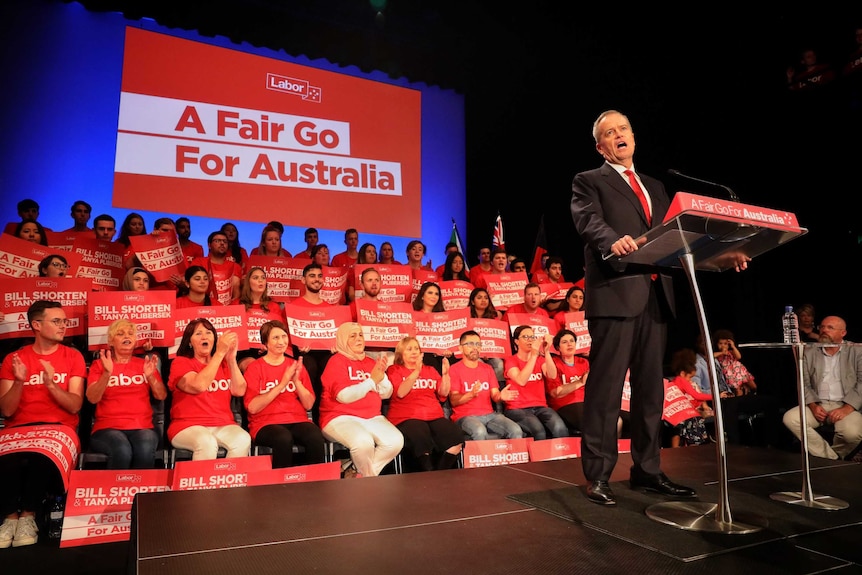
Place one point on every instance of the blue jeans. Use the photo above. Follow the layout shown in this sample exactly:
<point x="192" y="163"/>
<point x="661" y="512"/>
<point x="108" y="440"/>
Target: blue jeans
<point x="535" y="420"/>
<point x="127" y="448"/>
<point x="477" y="427"/>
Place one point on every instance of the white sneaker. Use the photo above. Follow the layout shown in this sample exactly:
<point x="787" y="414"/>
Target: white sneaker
<point x="7" y="532"/>
<point x="25" y="534"/>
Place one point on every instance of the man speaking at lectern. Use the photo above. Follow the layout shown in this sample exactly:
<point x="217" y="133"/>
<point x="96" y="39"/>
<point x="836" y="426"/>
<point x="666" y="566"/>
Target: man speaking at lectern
<point x="629" y="307"/>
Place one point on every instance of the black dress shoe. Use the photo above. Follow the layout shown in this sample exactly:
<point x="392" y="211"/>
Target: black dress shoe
<point x="660" y="484"/>
<point x="600" y="492"/>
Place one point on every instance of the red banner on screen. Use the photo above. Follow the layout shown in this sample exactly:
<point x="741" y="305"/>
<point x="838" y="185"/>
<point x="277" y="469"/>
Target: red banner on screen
<point x="245" y="126"/>
<point x="315" y="327"/>
<point x="20" y="293"/>
<point x="150" y="311"/>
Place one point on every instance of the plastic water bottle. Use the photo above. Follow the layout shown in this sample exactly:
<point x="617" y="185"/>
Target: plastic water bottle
<point x="55" y="518"/>
<point x="791" y="325"/>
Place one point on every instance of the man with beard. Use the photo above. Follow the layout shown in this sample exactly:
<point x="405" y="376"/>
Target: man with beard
<point x="191" y="250"/>
<point x="225" y="275"/>
<point x="833" y="393"/>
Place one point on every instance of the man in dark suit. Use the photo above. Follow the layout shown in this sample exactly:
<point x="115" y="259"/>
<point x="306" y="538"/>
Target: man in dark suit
<point x="629" y="307"/>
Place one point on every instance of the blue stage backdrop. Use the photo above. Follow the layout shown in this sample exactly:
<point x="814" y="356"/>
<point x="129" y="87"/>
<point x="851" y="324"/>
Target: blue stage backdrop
<point x="135" y="117"/>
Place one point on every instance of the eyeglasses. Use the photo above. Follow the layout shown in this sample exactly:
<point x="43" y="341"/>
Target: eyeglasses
<point x="529" y="337"/>
<point x="58" y="322"/>
<point x="472" y="344"/>
<point x="59" y="265"/>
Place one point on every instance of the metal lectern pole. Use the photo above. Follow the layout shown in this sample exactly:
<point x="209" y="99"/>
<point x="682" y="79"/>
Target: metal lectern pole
<point x="699" y="515"/>
<point x="806" y="497"/>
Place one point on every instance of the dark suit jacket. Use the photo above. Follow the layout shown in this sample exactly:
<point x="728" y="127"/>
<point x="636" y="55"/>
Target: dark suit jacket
<point x="604" y="209"/>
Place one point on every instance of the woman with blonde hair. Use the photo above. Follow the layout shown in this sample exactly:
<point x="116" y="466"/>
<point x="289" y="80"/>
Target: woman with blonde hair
<point x="415" y="408"/>
<point x="120" y="385"/>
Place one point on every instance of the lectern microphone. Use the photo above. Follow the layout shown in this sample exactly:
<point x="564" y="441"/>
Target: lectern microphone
<point x="730" y="192"/>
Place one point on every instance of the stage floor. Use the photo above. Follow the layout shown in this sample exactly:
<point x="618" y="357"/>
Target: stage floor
<point x="528" y="518"/>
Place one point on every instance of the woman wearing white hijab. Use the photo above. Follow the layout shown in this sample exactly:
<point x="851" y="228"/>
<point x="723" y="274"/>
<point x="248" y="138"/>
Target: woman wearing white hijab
<point x="354" y="387"/>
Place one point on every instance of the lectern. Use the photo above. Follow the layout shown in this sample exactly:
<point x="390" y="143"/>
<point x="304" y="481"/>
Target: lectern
<point x="705" y="233"/>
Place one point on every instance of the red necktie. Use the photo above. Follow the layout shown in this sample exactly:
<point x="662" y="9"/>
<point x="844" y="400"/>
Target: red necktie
<point x="640" y="194"/>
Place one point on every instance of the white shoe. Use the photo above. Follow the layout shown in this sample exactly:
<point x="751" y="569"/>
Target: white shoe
<point x="25" y="534"/>
<point x="7" y="532"/>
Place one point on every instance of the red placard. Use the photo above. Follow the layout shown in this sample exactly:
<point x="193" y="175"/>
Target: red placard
<point x="64" y="241"/>
<point x="283" y="276"/>
<point x="384" y="324"/>
<point x="223" y="318"/>
<point x="541" y="324"/>
<point x="59" y="443"/>
<point x="686" y="203"/>
<point x="576" y="321"/>
<point x="102" y="262"/>
<point x="315" y="327"/>
<point x="247" y="126"/>
<point x="420" y="277"/>
<point x="455" y="294"/>
<point x="20" y="258"/>
<point x="99" y="503"/>
<point x="554" y="290"/>
<point x="396" y="282"/>
<point x="439" y="332"/>
<point x="20" y="293"/>
<point x="297" y="474"/>
<point x="490" y="452"/>
<point x="506" y="289"/>
<point x="218" y="473"/>
<point x="160" y="254"/>
<point x="151" y="311"/>
<point x="555" y="448"/>
<point x="494" y="334"/>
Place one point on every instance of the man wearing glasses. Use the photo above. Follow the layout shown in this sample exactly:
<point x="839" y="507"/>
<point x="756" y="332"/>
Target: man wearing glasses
<point x="474" y="392"/>
<point x="42" y="383"/>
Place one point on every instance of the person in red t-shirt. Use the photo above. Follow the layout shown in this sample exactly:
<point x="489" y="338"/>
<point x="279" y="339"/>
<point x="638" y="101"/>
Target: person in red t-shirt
<point x="574" y="302"/>
<point x="120" y="386"/>
<point x="203" y="380"/>
<point x="270" y="243"/>
<point x="354" y="387"/>
<point x="348" y="257"/>
<point x="197" y="289"/>
<point x="278" y="397"/>
<point x="225" y="274"/>
<point x="532" y="301"/>
<point x="418" y="391"/>
<point x="254" y="296"/>
<point x="235" y="252"/>
<point x="190" y="249"/>
<point x="39" y="383"/>
<point x="526" y="373"/>
<point x="566" y="391"/>
<point x="473" y="391"/>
